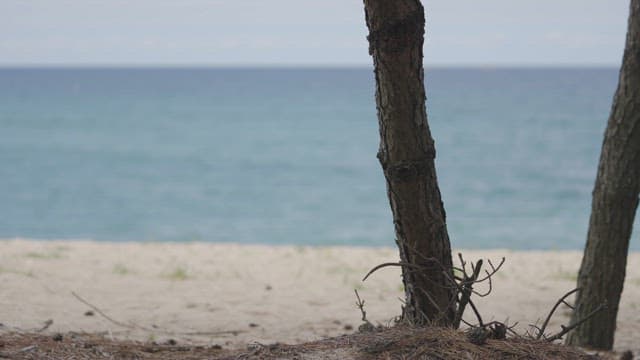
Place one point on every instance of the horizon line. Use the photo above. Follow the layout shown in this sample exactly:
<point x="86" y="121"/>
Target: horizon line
<point x="299" y="66"/>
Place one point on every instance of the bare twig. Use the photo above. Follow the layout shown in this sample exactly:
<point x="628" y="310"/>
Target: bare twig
<point x="467" y="323"/>
<point x="536" y="327"/>
<point x="488" y="290"/>
<point x="435" y="305"/>
<point x="96" y="309"/>
<point x="510" y="329"/>
<point x="546" y="321"/>
<point x="45" y="326"/>
<point x="360" y="305"/>
<point x="401" y="263"/>
<point x="568" y="305"/>
<point x="566" y="329"/>
<point x="466" y="289"/>
<point x="143" y="328"/>
<point x="462" y="263"/>
<point x="494" y="270"/>
<point x="475" y="311"/>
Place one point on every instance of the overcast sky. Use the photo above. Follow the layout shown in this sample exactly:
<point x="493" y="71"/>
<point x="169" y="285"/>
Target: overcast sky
<point x="303" y="32"/>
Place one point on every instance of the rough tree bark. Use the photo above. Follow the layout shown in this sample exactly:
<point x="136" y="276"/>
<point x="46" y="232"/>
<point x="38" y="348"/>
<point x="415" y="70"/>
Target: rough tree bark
<point x="407" y="153"/>
<point x="615" y="199"/>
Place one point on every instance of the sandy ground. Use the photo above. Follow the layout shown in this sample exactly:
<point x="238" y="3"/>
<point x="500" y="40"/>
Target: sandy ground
<point x="231" y="295"/>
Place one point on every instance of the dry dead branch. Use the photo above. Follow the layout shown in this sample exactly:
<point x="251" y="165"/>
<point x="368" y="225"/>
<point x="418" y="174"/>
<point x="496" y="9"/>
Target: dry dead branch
<point x="464" y="281"/>
<point x="565" y="329"/>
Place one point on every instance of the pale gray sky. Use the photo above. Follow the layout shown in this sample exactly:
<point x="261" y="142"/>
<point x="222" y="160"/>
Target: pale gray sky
<point x="301" y="32"/>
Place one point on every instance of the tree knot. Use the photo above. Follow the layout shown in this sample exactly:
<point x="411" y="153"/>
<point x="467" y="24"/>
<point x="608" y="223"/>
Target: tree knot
<point x="408" y="170"/>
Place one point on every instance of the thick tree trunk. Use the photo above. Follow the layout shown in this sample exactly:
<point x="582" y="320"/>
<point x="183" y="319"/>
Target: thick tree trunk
<point x="407" y="153"/>
<point x="615" y="198"/>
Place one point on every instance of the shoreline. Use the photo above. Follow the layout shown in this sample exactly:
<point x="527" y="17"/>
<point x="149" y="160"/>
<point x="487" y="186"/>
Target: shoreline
<point x="230" y="294"/>
<point x="280" y="245"/>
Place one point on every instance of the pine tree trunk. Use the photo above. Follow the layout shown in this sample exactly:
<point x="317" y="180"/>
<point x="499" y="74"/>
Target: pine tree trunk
<point x="615" y="199"/>
<point x="407" y="153"/>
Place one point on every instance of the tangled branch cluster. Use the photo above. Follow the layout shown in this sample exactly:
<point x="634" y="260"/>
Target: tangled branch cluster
<point x="463" y="280"/>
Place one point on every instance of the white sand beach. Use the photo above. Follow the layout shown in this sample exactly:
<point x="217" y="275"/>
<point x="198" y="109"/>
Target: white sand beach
<point x="231" y="295"/>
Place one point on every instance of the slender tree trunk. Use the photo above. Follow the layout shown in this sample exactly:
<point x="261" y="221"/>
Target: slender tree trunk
<point x="407" y="153"/>
<point x="615" y="198"/>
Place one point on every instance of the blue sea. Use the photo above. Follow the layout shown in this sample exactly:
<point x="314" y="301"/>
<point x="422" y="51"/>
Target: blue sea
<point x="288" y="156"/>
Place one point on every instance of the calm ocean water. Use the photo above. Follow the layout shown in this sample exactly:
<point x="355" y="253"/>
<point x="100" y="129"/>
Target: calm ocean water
<point x="287" y="156"/>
